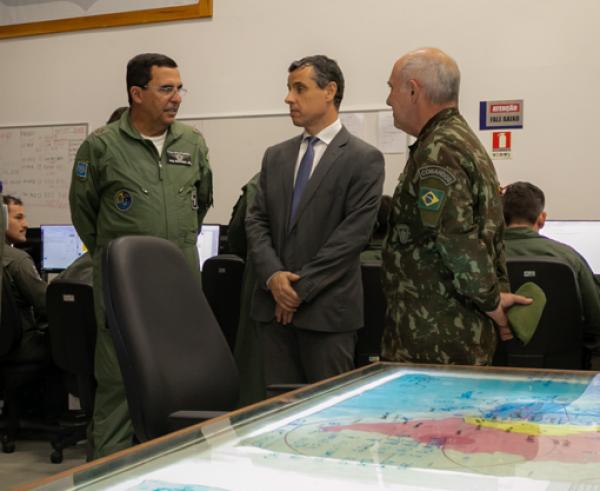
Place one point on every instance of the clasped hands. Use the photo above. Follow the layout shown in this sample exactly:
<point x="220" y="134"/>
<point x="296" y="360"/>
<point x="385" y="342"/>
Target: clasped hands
<point x="286" y="298"/>
<point x="498" y="315"/>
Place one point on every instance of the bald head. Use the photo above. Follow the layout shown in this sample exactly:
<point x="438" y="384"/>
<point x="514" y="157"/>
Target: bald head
<point x="434" y="71"/>
<point x="422" y="83"/>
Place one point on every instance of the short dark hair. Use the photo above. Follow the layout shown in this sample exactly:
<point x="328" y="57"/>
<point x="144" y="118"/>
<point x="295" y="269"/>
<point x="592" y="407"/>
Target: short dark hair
<point x="139" y="69"/>
<point x="7" y="199"/>
<point x="522" y="201"/>
<point x="326" y="70"/>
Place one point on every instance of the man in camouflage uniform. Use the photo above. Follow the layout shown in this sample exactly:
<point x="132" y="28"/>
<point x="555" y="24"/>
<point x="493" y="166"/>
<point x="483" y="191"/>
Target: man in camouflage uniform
<point x="145" y="174"/>
<point x="443" y="259"/>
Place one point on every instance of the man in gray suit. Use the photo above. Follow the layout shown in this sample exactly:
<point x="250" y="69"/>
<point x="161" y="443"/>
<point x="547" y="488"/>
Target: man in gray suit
<point x="312" y="216"/>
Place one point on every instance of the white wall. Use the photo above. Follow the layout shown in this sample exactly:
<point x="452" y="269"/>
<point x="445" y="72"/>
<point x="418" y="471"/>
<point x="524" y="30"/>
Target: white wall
<point x="543" y="51"/>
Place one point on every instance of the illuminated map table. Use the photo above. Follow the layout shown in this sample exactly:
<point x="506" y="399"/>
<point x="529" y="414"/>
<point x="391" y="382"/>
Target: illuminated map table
<point x="383" y="427"/>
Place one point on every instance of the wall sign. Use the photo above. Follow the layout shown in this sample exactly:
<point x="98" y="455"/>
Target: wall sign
<point x="500" y="114"/>
<point x="501" y="145"/>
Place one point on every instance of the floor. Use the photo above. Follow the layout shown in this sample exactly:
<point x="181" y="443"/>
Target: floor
<point x="31" y="461"/>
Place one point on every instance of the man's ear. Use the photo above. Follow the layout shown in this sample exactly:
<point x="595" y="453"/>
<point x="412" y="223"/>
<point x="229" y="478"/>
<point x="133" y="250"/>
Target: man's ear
<point x="136" y="93"/>
<point x="331" y="90"/>
<point x="541" y="220"/>
<point x="414" y="88"/>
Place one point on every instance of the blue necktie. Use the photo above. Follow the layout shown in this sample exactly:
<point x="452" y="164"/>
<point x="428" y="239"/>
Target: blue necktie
<point x="303" y="174"/>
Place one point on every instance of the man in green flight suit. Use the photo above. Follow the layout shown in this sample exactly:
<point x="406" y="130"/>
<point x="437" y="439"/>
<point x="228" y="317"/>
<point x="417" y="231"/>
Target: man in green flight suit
<point x="145" y="174"/>
<point x="444" y="270"/>
<point x="523" y="205"/>
<point x="28" y="289"/>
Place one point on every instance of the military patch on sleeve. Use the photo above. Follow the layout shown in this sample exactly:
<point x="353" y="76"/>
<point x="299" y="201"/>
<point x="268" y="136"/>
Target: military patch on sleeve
<point x="123" y="200"/>
<point x="436" y="172"/>
<point x="81" y="170"/>
<point x="430" y="199"/>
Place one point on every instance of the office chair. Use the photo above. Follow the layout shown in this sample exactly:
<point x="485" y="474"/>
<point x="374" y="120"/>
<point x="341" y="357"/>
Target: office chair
<point x="222" y="284"/>
<point x="18" y="377"/>
<point x="558" y="341"/>
<point x="72" y="328"/>
<point x="172" y="353"/>
<point x="368" y="344"/>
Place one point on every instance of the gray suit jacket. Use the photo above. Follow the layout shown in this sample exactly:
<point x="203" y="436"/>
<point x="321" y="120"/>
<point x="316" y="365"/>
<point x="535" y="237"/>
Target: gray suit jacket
<point x="333" y="223"/>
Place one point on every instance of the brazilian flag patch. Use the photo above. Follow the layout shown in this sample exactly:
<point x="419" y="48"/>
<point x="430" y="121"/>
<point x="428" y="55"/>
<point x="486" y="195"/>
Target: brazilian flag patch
<point x="430" y="199"/>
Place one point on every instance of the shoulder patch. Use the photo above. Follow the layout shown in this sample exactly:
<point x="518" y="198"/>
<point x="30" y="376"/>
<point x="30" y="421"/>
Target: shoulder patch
<point x="81" y="169"/>
<point x="123" y="200"/>
<point x="99" y="131"/>
<point x="437" y="172"/>
<point x="430" y="199"/>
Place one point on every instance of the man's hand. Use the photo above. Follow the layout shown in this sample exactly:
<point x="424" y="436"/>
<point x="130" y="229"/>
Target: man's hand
<point x="283" y="316"/>
<point x="498" y="315"/>
<point x="281" y="288"/>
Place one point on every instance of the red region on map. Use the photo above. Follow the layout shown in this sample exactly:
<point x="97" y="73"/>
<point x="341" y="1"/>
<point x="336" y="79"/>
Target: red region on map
<point x="455" y="434"/>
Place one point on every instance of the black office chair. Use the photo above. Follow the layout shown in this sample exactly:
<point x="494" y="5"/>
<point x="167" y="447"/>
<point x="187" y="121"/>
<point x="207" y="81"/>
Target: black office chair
<point x="72" y="328"/>
<point x="558" y="341"/>
<point x="19" y="377"/>
<point x="12" y="378"/>
<point x="222" y="285"/>
<point x="172" y="353"/>
<point x="368" y="344"/>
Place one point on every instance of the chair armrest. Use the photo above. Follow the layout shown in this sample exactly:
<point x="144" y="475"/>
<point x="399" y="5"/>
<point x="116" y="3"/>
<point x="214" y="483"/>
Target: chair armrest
<point x="182" y="419"/>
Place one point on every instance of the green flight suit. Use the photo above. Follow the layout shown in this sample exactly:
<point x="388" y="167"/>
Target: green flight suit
<point x="121" y="186"/>
<point x="524" y="241"/>
<point x="372" y="252"/>
<point x="248" y="350"/>
<point x="29" y="292"/>
<point x="443" y="256"/>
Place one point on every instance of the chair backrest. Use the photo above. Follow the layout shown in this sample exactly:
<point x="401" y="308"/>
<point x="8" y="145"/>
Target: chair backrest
<point x="222" y="284"/>
<point x="368" y="344"/>
<point x="558" y="339"/>
<point x="172" y="353"/>
<point x="11" y="329"/>
<point x="72" y="329"/>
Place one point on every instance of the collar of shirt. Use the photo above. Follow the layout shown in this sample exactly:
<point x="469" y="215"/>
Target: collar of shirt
<point x="325" y="136"/>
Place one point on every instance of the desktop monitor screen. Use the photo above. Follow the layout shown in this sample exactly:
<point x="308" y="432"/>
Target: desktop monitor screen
<point x="208" y="242"/>
<point x="60" y="247"/>
<point x="581" y="235"/>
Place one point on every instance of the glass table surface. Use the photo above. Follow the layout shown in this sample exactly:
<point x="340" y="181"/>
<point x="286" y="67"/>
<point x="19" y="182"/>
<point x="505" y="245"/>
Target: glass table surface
<point x="387" y="426"/>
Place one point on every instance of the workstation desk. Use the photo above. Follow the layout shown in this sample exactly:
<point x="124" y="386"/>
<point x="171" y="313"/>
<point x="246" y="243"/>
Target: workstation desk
<point x="385" y="426"/>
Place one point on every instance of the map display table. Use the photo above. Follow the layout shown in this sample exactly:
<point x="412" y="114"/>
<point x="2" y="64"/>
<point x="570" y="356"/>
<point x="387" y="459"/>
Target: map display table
<point x="387" y="426"/>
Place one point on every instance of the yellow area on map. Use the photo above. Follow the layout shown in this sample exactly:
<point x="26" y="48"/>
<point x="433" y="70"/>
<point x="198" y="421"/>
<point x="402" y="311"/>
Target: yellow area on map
<point x="530" y="428"/>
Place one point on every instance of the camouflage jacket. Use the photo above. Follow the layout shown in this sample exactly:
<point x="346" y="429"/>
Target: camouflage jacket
<point x="443" y="257"/>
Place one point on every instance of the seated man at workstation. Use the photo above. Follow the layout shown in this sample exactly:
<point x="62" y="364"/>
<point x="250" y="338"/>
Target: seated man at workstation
<point x="28" y="288"/>
<point x="523" y="206"/>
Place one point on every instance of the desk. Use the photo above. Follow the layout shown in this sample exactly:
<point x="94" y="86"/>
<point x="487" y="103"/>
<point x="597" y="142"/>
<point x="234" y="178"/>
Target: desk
<point x="386" y="426"/>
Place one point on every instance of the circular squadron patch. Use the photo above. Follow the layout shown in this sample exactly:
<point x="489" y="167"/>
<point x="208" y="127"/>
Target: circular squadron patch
<point x="123" y="200"/>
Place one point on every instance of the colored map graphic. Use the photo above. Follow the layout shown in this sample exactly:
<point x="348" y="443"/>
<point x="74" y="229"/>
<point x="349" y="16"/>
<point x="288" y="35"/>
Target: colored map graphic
<point x="544" y="428"/>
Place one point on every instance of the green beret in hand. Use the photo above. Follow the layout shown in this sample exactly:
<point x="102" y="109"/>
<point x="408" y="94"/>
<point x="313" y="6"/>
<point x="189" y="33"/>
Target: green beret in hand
<point x="524" y="319"/>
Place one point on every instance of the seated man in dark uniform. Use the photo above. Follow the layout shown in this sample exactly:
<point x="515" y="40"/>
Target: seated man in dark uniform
<point x="28" y="289"/>
<point x="523" y="206"/>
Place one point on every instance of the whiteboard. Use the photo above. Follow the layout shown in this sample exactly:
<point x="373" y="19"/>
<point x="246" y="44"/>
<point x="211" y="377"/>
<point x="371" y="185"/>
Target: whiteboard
<point x="36" y="164"/>
<point x="237" y="143"/>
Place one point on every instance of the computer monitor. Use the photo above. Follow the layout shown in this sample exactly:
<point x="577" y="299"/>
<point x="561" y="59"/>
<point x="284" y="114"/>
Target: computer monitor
<point x="60" y="247"/>
<point x="581" y="235"/>
<point x="208" y="242"/>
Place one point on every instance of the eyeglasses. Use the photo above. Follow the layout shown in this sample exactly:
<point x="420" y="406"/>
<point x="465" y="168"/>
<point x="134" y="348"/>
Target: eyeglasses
<point x="167" y="90"/>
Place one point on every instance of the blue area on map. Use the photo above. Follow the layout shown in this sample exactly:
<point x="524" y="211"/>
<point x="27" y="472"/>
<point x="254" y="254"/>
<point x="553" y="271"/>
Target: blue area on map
<point x="152" y="485"/>
<point x="573" y="400"/>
